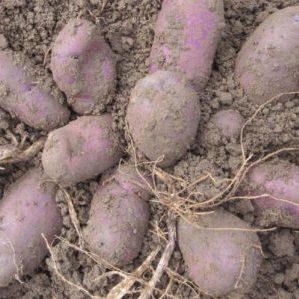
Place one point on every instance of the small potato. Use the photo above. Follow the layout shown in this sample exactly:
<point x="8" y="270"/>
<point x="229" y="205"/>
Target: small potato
<point x="186" y="38"/>
<point x="279" y="179"/>
<point x="81" y="150"/>
<point x="229" y="122"/>
<point x="83" y="66"/>
<point x="27" y="210"/>
<point x="32" y="100"/>
<point x="268" y="63"/>
<point x="163" y="116"/>
<point x="220" y="253"/>
<point x="118" y="219"/>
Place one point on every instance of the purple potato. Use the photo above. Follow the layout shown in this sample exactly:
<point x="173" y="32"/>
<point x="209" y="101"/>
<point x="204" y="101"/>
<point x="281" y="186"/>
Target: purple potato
<point x="83" y="66"/>
<point x="119" y="217"/>
<point x="268" y="63"/>
<point x="81" y="150"/>
<point x="221" y="254"/>
<point x="186" y="38"/>
<point x="163" y="116"/>
<point x="33" y="101"/>
<point x="27" y="210"/>
<point x="279" y="179"/>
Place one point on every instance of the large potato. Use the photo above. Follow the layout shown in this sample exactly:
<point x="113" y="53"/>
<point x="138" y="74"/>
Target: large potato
<point x="31" y="99"/>
<point x="27" y="210"/>
<point x="83" y="66"/>
<point x="118" y="219"/>
<point x="186" y="38"/>
<point x="163" y="116"/>
<point x="268" y="63"/>
<point x="81" y="150"/>
<point x="218" y="256"/>
<point x="279" y="179"/>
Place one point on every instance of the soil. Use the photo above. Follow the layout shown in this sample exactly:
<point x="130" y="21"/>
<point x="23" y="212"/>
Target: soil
<point x="30" y="27"/>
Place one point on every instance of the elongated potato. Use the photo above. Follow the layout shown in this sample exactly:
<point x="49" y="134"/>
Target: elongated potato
<point x="32" y="101"/>
<point x="279" y="179"/>
<point x="220" y="253"/>
<point x="186" y="37"/>
<point x="83" y="66"/>
<point x="118" y="219"/>
<point x="163" y="116"/>
<point x="27" y="210"/>
<point x="268" y="63"/>
<point x="81" y="150"/>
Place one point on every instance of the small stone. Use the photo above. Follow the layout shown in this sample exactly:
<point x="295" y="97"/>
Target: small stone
<point x="279" y="278"/>
<point x="3" y="42"/>
<point x="225" y="98"/>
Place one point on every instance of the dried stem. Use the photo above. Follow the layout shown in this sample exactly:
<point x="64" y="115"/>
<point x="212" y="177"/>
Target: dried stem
<point x="163" y="263"/>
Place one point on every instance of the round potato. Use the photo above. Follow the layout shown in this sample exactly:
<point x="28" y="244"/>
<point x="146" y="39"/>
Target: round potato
<point x="221" y="254"/>
<point x="27" y="210"/>
<point x="268" y="63"/>
<point x="163" y="116"/>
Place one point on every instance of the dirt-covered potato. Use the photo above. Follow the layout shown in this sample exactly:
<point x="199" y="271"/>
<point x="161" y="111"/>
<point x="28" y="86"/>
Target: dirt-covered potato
<point x="268" y="63"/>
<point x="221" y="254"/>
<point x="186" y="38"/>
<point x="118" y="219"/>
<point x="163" y="116"/>
<point x="83" y="66"/>
<point x="33" y="100"/>
<point x="279" y="179"/>
<point x="27" y="210"/>
<point x="81" y="150"/>
<point x="229" y="122"/>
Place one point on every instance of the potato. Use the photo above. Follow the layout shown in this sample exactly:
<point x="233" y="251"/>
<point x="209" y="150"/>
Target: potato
<point x="31" y="99"/>
<point x="279" y="179"/>
<point x="27" y="210"/>
<point x="118" y="219"/>
<point x="83" y="66"/>
<point x="229" y="122"/>
<point x="268" y="63"/>
<point x="186" y="37"/>
<point x="163" y="116"/>
<point x="218" y="256"/>
<point x="81" y="150"/>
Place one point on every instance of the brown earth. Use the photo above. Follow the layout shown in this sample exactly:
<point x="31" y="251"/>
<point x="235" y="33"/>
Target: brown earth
<point x="31" y="27"/>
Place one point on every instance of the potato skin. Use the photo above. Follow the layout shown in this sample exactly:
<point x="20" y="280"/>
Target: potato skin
<point x="83" y="66"/>
<point x="27" y="210"/>
<point x="229" y="122"/>
<point x="186" y="37"/>
<point x="118" y="219"/>
<point x="268" y="63"/>
<point x="163" y="116"/>
<point x="81" y="150"/>
<point x="280" y="179"/>
<point x="21" y="95"/>
<point x="214" y="257"/>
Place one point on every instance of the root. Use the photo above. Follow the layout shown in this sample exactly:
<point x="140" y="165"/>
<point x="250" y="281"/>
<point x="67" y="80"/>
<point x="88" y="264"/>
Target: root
<point x="73" y="216"/>
<point x="11" y="154"/>
<point x="121" y="289"/>
<point x="243" y="263"/>
<point x="163" y="263"/>
<point x="58" y="273"/>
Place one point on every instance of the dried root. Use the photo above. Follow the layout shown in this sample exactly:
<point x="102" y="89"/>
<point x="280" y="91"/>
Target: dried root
<point x="10" y="154"/>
